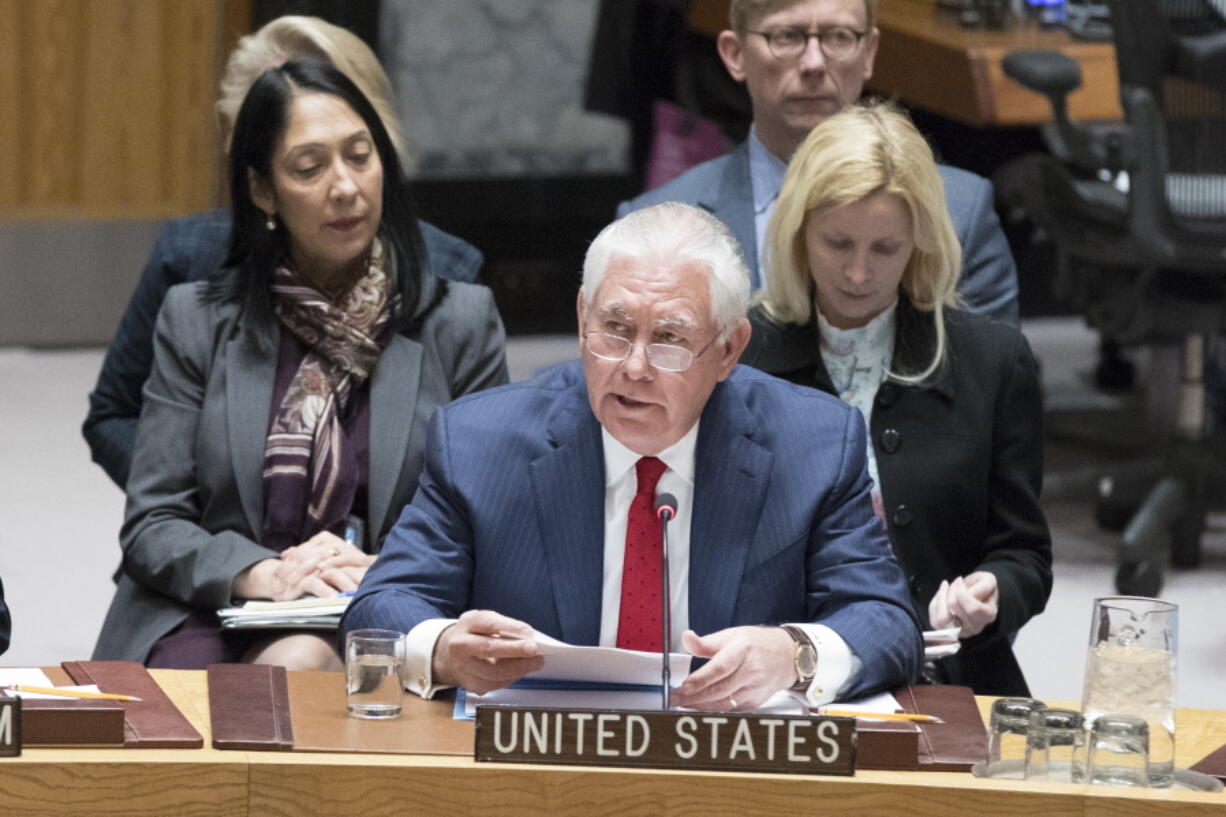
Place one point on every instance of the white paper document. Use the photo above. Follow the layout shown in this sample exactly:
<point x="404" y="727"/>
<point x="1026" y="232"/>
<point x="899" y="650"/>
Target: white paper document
<point x="940" y="643"/>
<point x="883" y="703"/>
<point x="31" y="696"/>
<point x="306" y="613"/>
<point x="561" y="699"/>
<point x="35" y="677"/>
<point x="585" y="678"/>
<point x="609" y="678"/>
<point x="606" y="665"/>
<point x="781" y="703"/>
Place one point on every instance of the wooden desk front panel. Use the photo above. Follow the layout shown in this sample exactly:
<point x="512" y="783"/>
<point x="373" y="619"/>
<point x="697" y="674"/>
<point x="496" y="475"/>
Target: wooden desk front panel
<point x="122" y="783"/>
<point x="286" y="786"/>
<point x="459" y="787"/>
<point x="211" y="782"/>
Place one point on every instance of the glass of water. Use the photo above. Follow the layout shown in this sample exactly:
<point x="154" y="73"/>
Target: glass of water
<point x="1130" y="670"/>
<point x="374" y="670"/>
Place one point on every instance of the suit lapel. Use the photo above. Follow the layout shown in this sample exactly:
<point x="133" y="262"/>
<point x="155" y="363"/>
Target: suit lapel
<point x="568" y="488"/>
<point x="393" y="403"/>
<point x="731" y="201"/>
<point x="732" y="473"/>
<point x="251" y="372"/>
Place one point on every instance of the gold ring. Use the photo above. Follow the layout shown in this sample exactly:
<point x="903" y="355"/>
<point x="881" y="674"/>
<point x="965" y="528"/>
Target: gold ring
<point x="334" y="552"/>
<point x="731" y="702"/>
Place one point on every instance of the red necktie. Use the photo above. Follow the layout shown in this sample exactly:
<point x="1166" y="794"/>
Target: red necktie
<point x="638" y="623"/>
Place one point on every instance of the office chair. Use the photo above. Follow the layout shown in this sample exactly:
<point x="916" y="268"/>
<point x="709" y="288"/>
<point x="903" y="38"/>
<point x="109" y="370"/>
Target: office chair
<point x="1136" y="212"/>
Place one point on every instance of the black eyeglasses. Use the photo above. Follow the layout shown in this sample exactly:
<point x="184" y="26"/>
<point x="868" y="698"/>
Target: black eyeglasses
<point x="837" y="43"/>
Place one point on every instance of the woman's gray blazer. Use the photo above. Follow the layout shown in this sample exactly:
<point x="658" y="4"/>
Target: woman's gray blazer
<point x="195" y="506"/>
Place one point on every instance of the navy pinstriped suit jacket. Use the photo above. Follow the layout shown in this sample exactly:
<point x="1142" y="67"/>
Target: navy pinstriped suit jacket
<point x="509" y="516"/>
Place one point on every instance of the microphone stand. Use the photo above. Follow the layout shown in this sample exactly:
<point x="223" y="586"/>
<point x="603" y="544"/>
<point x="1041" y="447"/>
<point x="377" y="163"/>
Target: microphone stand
<point x="666" y="508"/>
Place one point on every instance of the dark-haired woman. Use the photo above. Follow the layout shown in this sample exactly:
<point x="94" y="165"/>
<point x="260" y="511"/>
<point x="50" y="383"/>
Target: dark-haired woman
<point x="284" y="419"/>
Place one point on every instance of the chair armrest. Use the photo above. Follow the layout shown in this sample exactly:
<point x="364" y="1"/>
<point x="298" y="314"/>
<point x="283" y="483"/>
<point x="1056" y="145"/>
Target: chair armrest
<point x="1046" y="72"/>
<point x="1056" y="76"/>
<point x="1203" y="59"/>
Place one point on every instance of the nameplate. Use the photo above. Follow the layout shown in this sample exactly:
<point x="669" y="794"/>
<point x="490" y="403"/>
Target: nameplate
<point x="10" y="726"/>
<point x="741" y="742"/>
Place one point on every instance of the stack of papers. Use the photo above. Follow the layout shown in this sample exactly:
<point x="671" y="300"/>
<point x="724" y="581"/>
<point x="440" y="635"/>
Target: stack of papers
<point x="606" y="665"/>
<point x="611" y="678"/>
<point x="309" y="613"/>
<point x="584" y="677"/>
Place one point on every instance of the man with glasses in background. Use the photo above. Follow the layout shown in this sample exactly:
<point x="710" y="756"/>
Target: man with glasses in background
<point x="536" y="507"/>
<point x="801" y="61"/>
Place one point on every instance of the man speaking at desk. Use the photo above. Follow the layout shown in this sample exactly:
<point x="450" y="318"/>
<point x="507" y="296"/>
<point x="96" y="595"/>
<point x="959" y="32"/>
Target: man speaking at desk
<point x="535" y="509"/>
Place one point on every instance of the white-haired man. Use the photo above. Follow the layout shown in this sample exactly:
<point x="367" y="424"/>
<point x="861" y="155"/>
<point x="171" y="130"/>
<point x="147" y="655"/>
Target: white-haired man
<point x="801" y="61"/>
<point x="534" y="510"/>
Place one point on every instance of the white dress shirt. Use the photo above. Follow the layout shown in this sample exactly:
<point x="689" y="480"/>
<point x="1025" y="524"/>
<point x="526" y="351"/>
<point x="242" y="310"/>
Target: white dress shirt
<point x="836" y="664"/>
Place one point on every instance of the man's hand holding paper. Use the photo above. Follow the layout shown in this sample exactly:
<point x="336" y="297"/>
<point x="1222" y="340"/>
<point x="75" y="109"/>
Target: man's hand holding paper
<point x="484" y="650"/>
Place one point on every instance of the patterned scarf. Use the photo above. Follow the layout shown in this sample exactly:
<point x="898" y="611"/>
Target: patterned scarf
<point x="309" y="473"/>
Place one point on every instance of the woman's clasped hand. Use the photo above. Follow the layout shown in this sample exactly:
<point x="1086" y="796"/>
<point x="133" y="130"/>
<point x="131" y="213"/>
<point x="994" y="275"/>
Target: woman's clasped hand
<point x="322" y="566"/>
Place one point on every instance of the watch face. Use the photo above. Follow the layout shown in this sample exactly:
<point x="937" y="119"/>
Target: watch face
<point x="806" y="661"/>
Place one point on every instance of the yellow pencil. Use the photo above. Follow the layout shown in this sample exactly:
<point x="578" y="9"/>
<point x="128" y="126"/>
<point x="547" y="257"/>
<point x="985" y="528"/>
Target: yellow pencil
<point x="881" y="716"/>
<point x="70" y="693"/>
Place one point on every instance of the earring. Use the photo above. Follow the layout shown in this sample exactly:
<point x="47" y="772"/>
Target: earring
<point x="270" y="223"/>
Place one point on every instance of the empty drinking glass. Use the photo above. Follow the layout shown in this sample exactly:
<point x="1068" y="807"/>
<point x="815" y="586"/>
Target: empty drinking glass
<point x="1007" y="730"/>
<point x="1055" y="745"/>
<point x="1118" y="754"/>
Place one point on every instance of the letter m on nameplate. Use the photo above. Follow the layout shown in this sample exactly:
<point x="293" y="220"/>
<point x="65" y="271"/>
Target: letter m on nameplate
<point x="10" y="726"/>
<point x="735" y="742"/>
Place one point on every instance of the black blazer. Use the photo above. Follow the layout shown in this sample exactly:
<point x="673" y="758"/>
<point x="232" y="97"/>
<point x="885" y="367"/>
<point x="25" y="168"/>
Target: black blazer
<point x="5" y="623"/>
<point x="960" y="458"/>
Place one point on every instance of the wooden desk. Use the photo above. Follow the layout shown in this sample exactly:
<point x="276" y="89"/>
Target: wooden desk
<point x="927" y="60"/>
<point x="209" y="782"/>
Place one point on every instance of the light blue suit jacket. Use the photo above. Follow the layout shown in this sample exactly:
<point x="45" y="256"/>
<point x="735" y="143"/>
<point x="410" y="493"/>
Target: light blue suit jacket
<point x="723" y="188"/>
<point x="509" y="516"/>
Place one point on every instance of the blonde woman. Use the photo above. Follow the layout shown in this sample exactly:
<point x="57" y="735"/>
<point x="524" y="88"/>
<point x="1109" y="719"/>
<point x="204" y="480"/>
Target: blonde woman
<point x="860" y="303"/>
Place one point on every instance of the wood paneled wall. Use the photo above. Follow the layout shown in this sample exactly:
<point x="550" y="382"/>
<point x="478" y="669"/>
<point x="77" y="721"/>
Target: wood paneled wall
<point x="106" y="106"/>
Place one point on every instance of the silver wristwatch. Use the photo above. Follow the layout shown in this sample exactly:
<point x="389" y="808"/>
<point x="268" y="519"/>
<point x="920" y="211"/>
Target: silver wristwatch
<point x="805" y="658"/>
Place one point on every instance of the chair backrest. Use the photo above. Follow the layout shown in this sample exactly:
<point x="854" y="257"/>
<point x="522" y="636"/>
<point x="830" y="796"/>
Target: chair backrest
<point x="1157" y="44"/>
<point x="1171" y="56"/>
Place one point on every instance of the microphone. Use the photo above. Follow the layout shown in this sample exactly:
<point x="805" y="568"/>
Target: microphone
<point x="666" y="510"/>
